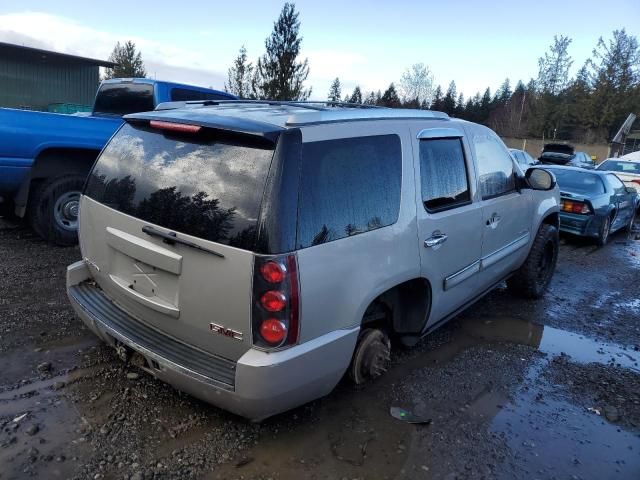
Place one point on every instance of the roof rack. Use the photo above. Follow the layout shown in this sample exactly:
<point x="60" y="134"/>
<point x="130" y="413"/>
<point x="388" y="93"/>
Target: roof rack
<point x="308" y="104"/>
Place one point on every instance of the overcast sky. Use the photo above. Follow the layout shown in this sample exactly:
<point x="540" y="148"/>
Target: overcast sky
<point x="370" y="43"/>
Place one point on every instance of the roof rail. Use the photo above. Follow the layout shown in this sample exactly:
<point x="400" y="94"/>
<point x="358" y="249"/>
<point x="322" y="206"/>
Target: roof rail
<point x="308" y="104"/>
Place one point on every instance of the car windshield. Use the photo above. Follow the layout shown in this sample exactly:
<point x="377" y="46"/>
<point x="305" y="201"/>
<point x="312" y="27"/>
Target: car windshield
<point x="578" y="181"/>
<point x="618" y="166"/>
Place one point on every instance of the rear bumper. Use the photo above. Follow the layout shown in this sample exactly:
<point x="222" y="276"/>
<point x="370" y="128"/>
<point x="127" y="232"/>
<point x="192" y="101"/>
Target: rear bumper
<point x="257" y="386"/>
<point x="583" y="225"/>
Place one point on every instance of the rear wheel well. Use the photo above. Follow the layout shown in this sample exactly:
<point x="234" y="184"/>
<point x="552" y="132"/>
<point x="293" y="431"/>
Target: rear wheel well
<point x="52" y="163"/>
<point x="401" y="310"/>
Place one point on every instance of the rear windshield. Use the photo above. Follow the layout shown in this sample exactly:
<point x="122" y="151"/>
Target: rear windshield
<point x="124" y="98"/>
<point x="206" y="186"/>
<point x="624" y="167"/>
<point x="578" y="181"/>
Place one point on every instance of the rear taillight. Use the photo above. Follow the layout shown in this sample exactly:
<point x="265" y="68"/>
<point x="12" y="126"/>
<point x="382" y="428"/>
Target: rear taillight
<point x="275" y="301"/>
<point x="570" y="206"/>
<point x="636" y="181"/>
<point x="272" y="272"/>
<point x="273" y="331"/>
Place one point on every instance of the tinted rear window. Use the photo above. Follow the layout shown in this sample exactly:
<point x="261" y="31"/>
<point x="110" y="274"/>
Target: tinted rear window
<point x="124" y="98"/>
<point x="578" y="182"/>
<point x="207" y="186"/>
<point x="348" y="186"/>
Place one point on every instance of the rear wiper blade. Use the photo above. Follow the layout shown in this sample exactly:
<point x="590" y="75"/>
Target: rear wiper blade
<point x="172" y="238"/>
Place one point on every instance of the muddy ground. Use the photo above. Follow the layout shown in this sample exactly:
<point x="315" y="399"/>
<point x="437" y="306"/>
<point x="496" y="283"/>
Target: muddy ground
<point x="509" y="389"/>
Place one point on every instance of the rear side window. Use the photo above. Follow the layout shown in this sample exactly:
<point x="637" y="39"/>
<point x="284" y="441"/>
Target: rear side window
<point x="348" y="186"/>
<point x="186" y="95"/>
<point x="124" y="98"/>
<point x="208" y="186"/>
<point x="615" y="183"/>
<point x="443" y="174"/>
<point x="495" y="167"/>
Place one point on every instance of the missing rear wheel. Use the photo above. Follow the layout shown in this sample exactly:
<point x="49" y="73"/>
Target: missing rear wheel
<point x="371" y="357"/>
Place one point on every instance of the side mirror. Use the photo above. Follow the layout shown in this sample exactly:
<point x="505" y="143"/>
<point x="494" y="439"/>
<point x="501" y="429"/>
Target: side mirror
<point x="631" y="190"/>
<point x="540" y="179"/>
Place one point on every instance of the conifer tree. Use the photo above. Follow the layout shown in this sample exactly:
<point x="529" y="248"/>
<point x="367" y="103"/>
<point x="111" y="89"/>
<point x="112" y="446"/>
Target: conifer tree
<point x="278" y="74"/>
<point x="129" y="62"/>
<point x="335" y="91"/>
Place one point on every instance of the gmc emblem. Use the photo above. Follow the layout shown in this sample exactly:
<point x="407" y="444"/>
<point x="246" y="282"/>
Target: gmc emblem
<point x="227" y="332"/>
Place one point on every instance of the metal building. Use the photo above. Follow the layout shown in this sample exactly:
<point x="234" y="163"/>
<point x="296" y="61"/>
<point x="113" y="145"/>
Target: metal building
<point x="36" y="79"/>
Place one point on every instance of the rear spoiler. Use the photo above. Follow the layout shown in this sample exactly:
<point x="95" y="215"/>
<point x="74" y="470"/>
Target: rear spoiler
<point x="209" y="120"/>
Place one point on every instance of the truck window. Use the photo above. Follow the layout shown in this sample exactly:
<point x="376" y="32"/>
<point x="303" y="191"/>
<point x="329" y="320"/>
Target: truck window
<point x="186" y="95"/>
<point x="443" y="174"/>
<point x="124" y="98"/>
<point x="209" y="186"/>
<point x="348" y="186"/>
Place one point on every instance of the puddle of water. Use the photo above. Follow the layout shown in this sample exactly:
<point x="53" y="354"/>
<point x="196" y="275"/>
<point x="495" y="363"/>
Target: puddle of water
<point x="21" y="364"/>
<point x="352" y="433"/>
<point x="557" y="439"/>
<point x="45" y="385"/>
<point x="552" y="341"/>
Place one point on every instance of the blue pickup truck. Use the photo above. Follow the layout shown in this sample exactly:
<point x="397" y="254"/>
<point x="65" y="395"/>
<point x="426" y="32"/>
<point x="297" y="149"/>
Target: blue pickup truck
<point x="45" y="157"/>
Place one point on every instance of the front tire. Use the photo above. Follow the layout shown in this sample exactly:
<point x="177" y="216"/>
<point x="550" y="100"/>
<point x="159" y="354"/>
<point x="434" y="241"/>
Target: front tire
<point x="533" y="277"/>
<point x="54" y="208"/>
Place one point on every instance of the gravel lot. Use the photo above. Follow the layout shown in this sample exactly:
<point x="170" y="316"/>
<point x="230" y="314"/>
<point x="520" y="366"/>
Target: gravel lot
<point x="509" y="389"/>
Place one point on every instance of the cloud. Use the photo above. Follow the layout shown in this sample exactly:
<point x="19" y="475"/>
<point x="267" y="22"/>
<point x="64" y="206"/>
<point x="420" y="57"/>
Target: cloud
<point x="205" y="66"/>
<point x="163" y="60"/>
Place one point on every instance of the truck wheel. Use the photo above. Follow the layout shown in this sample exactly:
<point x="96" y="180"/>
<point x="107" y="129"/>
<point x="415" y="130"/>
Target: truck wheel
<point x="53" y="211"/>
<point x="533" y="277"/>
<point x="371" y="357"/>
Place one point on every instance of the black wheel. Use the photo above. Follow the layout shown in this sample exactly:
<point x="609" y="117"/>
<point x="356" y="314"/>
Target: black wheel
<point x="631" y="223"/>
<point x="371" y="357"/>
<point x="605" y="230"/>
<point x="53" y="209"/>
<point x="533" y="277"/>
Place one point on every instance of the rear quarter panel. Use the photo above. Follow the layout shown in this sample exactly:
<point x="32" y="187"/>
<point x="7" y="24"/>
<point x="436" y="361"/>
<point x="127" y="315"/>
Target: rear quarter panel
<point x="339" y="279"/>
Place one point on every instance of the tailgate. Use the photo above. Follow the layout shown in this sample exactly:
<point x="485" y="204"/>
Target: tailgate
<point x="176" y="289"/>
<point x="205" y="190"/>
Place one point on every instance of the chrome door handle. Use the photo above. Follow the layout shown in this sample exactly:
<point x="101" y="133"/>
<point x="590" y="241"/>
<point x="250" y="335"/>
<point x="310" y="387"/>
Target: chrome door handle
<point x="435" y="240"/>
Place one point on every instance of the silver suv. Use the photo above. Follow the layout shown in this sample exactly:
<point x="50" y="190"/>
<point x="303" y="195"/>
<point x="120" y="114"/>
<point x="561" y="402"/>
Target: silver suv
<point x="252" y="253"/>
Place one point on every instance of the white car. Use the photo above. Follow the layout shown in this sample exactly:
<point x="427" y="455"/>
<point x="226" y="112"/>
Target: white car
<point x="626" y="170"/>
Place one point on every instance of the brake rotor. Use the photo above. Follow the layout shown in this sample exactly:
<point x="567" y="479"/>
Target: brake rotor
<point x="371" y="357"/>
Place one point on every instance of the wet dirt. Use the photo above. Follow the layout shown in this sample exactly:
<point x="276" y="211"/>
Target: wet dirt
<point x="510" y="388"/>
